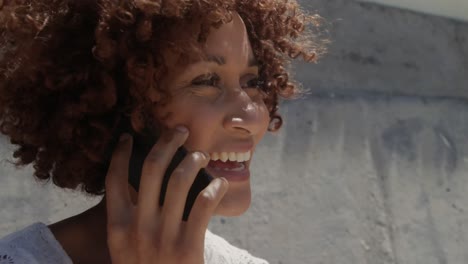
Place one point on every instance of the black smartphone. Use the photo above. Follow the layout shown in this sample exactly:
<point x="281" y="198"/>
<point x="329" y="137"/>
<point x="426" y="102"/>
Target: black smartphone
<point x="142" y="144"/>
<point x="140" y="150"/>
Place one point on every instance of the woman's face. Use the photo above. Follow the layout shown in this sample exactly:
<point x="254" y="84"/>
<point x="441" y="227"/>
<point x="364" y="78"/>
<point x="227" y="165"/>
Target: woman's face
<point x="218" y="101"/>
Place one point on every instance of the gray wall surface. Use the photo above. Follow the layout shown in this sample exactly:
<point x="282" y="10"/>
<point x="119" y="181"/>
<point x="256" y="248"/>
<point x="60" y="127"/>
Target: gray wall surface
<point x="369" y="168"/>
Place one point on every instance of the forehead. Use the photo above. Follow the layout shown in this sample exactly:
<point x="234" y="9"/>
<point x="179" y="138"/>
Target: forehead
<point x="230" y="42"/>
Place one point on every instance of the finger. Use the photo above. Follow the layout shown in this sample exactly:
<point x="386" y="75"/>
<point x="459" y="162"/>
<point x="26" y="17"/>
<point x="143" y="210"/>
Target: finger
<point x="177" y="191"/>
<point x="153" y="171"/>
<point x="117" y="196"/>
<point x="204" y="208"/>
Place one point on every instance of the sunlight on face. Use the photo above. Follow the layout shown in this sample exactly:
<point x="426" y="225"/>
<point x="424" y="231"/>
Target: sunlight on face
<point x="219" y="101"/>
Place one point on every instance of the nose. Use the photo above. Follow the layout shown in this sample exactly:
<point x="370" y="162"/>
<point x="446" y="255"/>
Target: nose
<point x="244" y="116"/>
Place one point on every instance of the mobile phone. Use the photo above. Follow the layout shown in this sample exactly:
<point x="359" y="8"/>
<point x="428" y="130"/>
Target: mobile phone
<point x="141" y="148"/>
<point x="142" y="144"/>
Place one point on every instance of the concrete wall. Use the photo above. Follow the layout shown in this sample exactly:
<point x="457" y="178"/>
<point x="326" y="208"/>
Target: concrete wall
<point x="457" y="9"/>
<point x="370" y="168"/>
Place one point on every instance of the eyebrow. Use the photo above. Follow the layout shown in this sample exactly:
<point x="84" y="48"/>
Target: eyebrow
<point x="222" y="61"/>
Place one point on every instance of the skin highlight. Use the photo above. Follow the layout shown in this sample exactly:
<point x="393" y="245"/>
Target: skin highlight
<point x="226" y="111"/>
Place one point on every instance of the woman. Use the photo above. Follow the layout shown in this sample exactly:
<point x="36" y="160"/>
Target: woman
<point x="206" y="75"/>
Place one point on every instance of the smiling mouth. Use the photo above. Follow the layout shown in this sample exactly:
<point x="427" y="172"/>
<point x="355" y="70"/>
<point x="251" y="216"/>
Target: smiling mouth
<point x="233" y="171"/>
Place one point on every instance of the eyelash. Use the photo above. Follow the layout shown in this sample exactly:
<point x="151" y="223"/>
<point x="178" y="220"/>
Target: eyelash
<point x="213" y="79"/>
<point x="206" y="79"/>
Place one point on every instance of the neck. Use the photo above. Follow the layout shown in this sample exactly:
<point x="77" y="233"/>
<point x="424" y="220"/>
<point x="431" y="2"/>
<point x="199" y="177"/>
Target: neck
<point x="84" y="236"/>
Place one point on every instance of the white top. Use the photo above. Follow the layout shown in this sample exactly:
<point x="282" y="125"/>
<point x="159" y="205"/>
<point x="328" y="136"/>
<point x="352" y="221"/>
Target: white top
<point x="36" y="244"/>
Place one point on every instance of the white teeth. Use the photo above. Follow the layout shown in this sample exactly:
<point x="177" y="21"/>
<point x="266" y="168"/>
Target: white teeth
<point x="247" y="155"/>
<point x="240" y="157"/>
<point x="232" y="156"/>
<point x="223" y="156"/>
<point x="244" y="156"/>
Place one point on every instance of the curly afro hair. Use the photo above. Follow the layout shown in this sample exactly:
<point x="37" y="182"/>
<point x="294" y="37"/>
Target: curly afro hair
<point x="71" y="70"/>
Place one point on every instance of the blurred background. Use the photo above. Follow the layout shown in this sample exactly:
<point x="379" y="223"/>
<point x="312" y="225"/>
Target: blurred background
<point x="368" y="168"/>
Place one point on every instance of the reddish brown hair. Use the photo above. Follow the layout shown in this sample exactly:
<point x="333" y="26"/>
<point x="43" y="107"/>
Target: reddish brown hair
<point x="70" y="71"/>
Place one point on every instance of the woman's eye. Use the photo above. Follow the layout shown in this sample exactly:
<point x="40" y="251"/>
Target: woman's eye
<point x="206" y="80"/>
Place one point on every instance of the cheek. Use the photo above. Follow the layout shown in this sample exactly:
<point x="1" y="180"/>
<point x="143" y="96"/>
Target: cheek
<point x="202" y="121"/>
<point x="262" y="111"/>
<point x="265" y="120"/>
<point x="198" y="115"/>
<point x="183" y="111"/>
<point x="205" y="121"/>
<point x="203" y="135"/>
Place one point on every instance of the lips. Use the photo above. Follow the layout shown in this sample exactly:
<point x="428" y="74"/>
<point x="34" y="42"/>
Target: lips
<point x="233" y="171"/>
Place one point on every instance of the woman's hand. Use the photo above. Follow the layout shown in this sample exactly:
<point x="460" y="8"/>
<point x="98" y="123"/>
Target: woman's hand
<point x="146" y="232"/>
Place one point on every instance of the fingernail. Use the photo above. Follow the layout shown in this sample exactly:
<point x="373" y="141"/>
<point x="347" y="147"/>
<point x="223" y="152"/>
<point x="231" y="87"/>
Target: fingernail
<point x="207" y="155"/>
<point x="124" y="137"/>
<point x="223" y="179"/>
<point x="220" y="182"/>
<point x="202" y="154"/>
<point x="181" y="129"/>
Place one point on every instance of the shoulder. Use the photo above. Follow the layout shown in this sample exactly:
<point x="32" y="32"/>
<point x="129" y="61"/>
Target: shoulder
<point x="219" y="251"/>
<point x="30" y="245"/>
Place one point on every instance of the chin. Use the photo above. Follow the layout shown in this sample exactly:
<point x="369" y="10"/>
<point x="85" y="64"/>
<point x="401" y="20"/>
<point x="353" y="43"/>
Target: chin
<point x="231" y="205"/>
